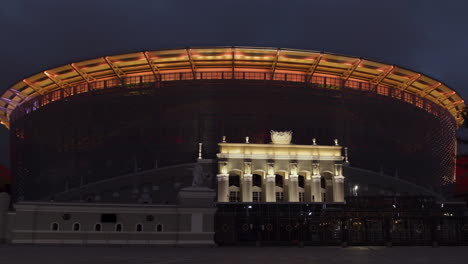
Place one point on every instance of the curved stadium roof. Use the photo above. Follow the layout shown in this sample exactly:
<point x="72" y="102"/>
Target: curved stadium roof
<point x="209" y="59"/>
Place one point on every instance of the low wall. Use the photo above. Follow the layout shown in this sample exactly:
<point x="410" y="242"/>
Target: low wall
<point x="79" y="223"/>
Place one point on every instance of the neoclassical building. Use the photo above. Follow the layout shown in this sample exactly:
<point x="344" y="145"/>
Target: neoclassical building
<point x="280" y="171"/>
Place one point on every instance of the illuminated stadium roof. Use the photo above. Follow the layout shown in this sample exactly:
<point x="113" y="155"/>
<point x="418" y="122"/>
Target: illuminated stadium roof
<point x="192" y="61"/>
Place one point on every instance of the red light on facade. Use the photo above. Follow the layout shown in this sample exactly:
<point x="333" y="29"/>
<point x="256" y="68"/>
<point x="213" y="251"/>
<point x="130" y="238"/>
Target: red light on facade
<point x="5" y="174"/>
<point x="461" y="173"/>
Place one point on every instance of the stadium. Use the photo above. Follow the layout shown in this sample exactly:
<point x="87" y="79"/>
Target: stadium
<point x="138" y="141"/>
<point x="94" y="120"/>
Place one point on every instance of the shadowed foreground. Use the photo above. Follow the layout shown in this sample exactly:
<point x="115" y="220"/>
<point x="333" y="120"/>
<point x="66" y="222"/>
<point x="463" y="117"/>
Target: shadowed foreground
<point x="97" y="254"/>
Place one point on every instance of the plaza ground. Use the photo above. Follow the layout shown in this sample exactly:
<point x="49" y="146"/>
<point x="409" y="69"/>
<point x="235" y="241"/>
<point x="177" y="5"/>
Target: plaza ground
<point x="51" y="254"/>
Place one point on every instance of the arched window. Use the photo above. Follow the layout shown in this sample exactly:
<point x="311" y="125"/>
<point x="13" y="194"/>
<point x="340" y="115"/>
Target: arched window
<point x="234" y="187"/>
<point x="234" y="180"/>
<point x="279" y="180"/>
<point x="54" y="226"/>
<point x="118" y="227"/>
<point x="323" y="183"/>
<point x="257" y="180"/>
<point x="97" y="227"/>
<point x="159" y="228"/>
<point x="301" y="183"/>
<point x="76" y="227"/>
<point x="257" y="188"/>
<point x="139" y="227"/>
<point x="279" y="188"/>
<point x="326" y="182"/>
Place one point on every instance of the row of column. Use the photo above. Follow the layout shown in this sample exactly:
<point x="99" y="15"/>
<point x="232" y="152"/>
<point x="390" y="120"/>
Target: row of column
<point x="313" y="189"/>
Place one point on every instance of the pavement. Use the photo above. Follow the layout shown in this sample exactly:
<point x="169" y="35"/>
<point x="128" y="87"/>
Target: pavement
<point x="66" y="254"/>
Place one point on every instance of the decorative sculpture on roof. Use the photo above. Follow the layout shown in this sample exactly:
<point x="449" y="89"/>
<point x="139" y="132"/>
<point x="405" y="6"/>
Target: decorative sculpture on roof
<point x="281" y="137"/>
<point x="199" y="177"/>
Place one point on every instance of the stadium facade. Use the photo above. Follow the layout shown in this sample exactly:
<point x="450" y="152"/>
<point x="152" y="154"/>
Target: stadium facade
<point x="142" y="127"/>
<point x="92" y="120"/>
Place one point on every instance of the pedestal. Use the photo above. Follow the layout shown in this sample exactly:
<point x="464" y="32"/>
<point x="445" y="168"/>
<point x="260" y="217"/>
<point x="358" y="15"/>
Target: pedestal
<point x="196" y="197"/>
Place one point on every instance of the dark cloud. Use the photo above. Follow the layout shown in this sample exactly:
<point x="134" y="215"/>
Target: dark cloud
<point x="424" y="35"/>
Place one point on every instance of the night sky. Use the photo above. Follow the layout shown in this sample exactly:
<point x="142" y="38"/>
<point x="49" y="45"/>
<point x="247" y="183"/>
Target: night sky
<point x="428" y="36"/>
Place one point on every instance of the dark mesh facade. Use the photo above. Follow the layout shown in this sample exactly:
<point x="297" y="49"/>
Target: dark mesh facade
<point x="102" y="133"/>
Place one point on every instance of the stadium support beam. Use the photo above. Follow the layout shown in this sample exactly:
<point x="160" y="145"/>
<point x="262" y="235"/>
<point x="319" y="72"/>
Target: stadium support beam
<point x="345" y="76"/>
<point x="431" y="88"/>
<point x="4" y="118"/>
<point x="86" y="76"/>
<point x="310" y="72"/>
<point x="60" y="83"/>
<point x="233" y="52"/>
<point x="455" y="104"/>
<point x="9" y="101"/>
<point x="189" y="54"/>
<point x="403" y="86"/>
<point x="379" y="78"/>
<point x="275" y="62"/>
<point x="445" y="97"/>
<point x="38" y="89"/>
<point x="153" y="67"/>
<point x="19" y="93"/>
<point x="5" y="109"/>
<point x="120" y="74"/>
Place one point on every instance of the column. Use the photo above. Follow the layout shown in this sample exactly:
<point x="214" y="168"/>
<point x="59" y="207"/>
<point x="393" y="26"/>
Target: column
<point x="316" y="188"/>
<point x="338" y="184"/>
<point x="223" y="187"/>
<point x="308" y="189"/>
<point x="338" y="188"/>
<point x="293" y="188"/>
<point x="247" y="188"/>
<point x="270" y="195"/>
<point x="293" y="183"/>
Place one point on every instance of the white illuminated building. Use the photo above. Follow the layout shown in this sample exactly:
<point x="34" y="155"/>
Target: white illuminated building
<point x="280" y="171"/>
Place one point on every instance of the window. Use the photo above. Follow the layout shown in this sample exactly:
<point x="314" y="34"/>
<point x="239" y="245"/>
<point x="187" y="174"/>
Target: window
<point x="159" y="228"/>
<point x="108" y="218"/>
<point x="301" y="181"/>
<point x="257" y="196"/>
<point x="54" y="226"/>
<point x="279" y="181"/>
<point x="139" y="228"/>
<point x="97" y="227"/>
<point x="118" y="227"/>
<point x="234" y="197"/>
<point x="257" y="180"/>
<point x="76" y="227"/>
<point x="279" y="196"/>
<point x="323" y="184"/>
<point x="234" y="180"/>
<point x="301" y="197"/>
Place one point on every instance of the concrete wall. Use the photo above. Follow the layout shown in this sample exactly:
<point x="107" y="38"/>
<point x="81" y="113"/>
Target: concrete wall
<point x="32" y="224"/>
